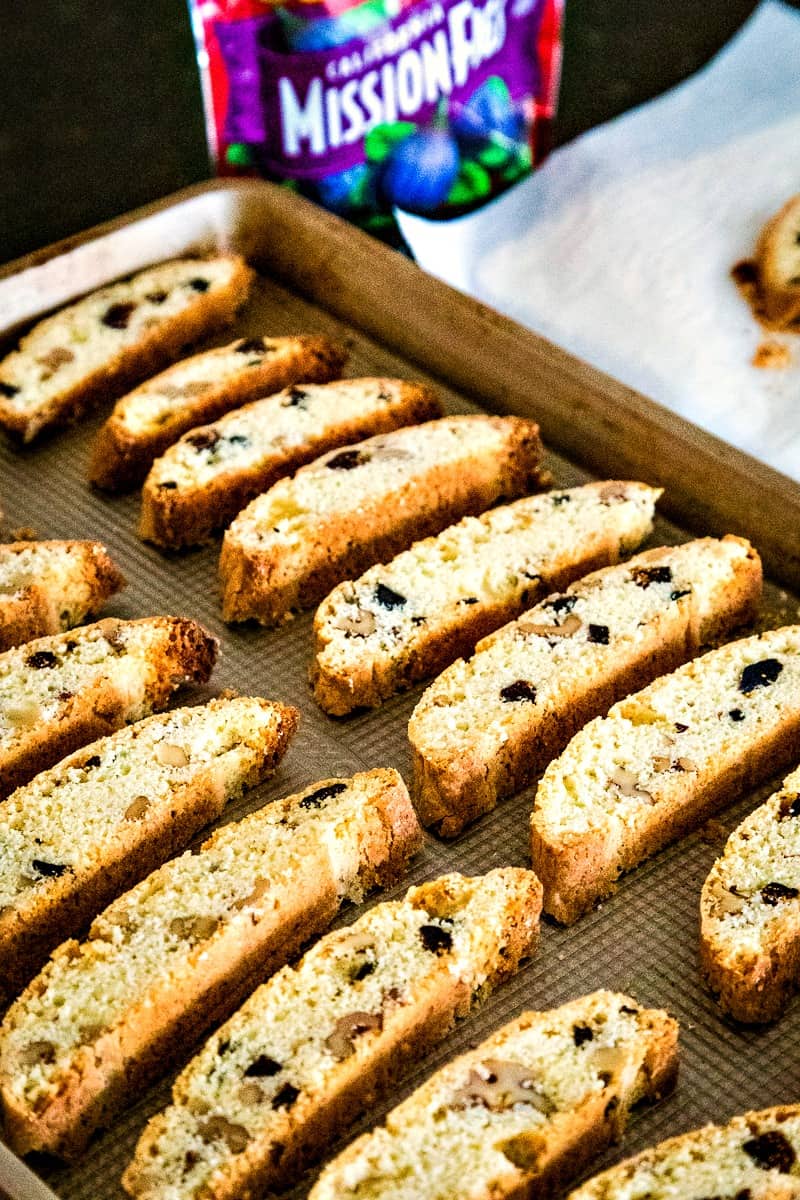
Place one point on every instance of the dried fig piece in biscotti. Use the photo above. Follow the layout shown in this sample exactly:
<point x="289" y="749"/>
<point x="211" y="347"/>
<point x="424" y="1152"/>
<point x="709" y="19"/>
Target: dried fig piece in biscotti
<point x="521" y="1114"/>
<point x="778" y="261"/>
<point x="364" y="503"/>
<point x="662" y="762"/>
<point x="90" y="827"/>
<point x="750" y="911"/>
<point x="46" y="587"/>
<point x="408" y="619"/>
<point x="488" y="725"/>
<point x="182" y="949"/>
<point x="96" y="348"/>
<point x="58" y="693"/>
<point x="209" y="475"/>
<point x="321" y="1040"/>
<point x="197" y="390"/>
<point x="755" y="1157"/>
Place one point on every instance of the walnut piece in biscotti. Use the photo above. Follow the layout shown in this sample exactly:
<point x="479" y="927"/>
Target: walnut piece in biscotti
<point x="662" y="762"/>
<point x="90" y="827"/>
<point x="519" y="1115"/>
<point x="196" y="390"/>
<point x="364" y="503"/>
<point x="50" y="586"/>
<point x="201" y="483"/>
<point x="94" y="349"/>
<point x="58" y="693"/>
<point x="183" y="948"/>
<point x="321" y="1040"/>
<point x="489" y="724"/>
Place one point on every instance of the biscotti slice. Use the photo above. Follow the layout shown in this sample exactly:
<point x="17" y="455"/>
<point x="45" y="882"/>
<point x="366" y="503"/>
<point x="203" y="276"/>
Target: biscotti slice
<point x="58" y="693"/>
<point x="661" y="762"/>
<point x="750" y="911"/>
<point x="778" y="260"/>
<point x="410" y="618"/>
<point x="200" y="389"/>
<point x="207" y="477"/>
<point x="521" y="1114"/>
<point x="323" y="1039"/>
<point x="184" y="947"/>
<point x="755" y="1157"/>
<point x="46" y="587"/>
<point x="488" y="725"/>
<point x="94" y="349"/>
<point x="360" y="505"/>
<point x="79" y="834"/>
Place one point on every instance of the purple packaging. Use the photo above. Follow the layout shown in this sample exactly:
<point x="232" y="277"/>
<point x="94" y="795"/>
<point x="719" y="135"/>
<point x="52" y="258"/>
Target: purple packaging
<point x="434" y="108"/>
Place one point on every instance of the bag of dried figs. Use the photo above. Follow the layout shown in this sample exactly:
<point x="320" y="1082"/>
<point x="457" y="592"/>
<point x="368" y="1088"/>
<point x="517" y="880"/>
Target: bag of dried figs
<point x="431" y="106"/>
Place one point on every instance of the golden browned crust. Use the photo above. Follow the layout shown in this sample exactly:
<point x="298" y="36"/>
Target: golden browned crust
<point x="262" y="585"/>
<point x="452" y="631"/>
<point x="120" y="459"/>
<point x="305" y="1128"/>
<point x="543" y="1159"/>
<point x="169" y="1017"/>
<point x="36" y="611"/>
<point x="581" y="870"/>
<point x="450" y="793"/>
<point x="182" y="517"/>
<point x="185" y="654"/>
<point x="692" y="1147"/>
<point x="578" y="869"/>
<point x="164" y="343"/>
<point x="753" y="988"/>
<point x="27" y="939"/>
<point x="754" y="969"/>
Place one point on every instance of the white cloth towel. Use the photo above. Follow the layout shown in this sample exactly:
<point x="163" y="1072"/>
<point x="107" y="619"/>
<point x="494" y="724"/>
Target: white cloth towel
<point x="620" y="247"/>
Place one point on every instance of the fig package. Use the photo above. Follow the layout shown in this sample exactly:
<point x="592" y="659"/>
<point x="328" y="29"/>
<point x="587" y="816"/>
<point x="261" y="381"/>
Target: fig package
<point x="434" y="106"/>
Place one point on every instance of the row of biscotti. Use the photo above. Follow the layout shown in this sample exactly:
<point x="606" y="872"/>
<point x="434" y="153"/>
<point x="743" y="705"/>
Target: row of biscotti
<point x="285" y="1074"/>
<point x="96" y="348"/>
<point x="521" y="1112"/>
<point x="74" y="834"/>
<point x="657" y="766"/>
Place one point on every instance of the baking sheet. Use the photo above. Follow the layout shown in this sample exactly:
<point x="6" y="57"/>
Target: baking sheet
<point x="643" y="941"/>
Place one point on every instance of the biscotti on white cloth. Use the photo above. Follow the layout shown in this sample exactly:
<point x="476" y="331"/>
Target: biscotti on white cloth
<point x="90" y="827"/>
<point x="661" y="762"/>
<point x="489" y="724"/>
<point x="322" y="1039"/>
<point x="778" y="260"/>
<point x="46" y="587"/>
<point x="521" y="1114"/>
<point x="202" y="482"/>
<point x="408" y="619"/>
<point x="58" y="693"/>
<point x="94" y="349"/>
<point x="360" y="505"/>
<point x="750" y="911"/>
<point x="183" y="948"/>
<point x="755" y="1157"/>
<point x="200" y="389"/>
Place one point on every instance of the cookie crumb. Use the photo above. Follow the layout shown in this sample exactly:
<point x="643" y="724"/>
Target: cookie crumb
<point x="713" y="833"/>
<point x="772" y="355"/>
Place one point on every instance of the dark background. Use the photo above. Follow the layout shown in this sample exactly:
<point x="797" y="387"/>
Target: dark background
<point x="100" y="106"/>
